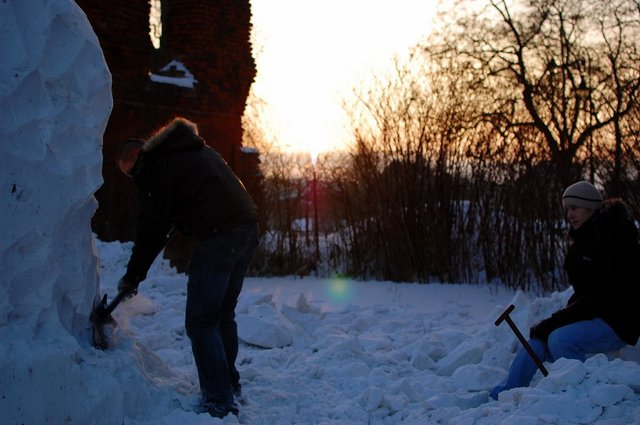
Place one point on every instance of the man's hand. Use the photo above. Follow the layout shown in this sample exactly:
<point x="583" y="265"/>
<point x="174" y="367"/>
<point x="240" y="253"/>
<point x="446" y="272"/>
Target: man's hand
<point x="542" y="330"/>
<point x="128" y="287"/>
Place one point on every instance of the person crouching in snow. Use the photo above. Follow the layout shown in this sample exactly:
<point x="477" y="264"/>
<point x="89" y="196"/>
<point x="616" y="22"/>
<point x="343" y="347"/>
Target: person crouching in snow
<point x="186" y="185"/>
<point x="602" y="264"/>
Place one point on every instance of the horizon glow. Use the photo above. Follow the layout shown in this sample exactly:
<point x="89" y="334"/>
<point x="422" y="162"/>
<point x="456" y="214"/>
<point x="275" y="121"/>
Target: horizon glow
<point x="310" y="55"/>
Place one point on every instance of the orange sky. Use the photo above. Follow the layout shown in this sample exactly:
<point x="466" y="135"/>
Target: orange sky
<point x="310" y="54"/>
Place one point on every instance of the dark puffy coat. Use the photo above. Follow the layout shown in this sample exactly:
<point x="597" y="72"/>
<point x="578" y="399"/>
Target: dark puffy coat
<point x="186" y="185"/>
<point x="603" y="265"/>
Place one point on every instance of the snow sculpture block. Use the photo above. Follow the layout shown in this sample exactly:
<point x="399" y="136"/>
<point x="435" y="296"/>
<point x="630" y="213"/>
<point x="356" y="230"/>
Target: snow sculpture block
<point x="55" y="100"/>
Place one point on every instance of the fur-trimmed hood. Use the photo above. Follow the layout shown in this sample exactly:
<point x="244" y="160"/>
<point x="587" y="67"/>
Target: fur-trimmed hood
<point x="613" y="221"/>
<point x="617" y="217"/>
<point x="182" y="133"/>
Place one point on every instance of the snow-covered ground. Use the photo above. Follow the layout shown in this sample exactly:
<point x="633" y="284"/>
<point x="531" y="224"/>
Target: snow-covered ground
<point x="335" y="351"/>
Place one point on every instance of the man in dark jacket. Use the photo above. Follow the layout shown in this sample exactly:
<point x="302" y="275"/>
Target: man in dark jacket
<point x="602" y="265"/>
<point x="185" y="185"/>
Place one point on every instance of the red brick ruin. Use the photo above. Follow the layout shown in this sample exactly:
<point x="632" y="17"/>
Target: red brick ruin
<point x="206" y="39"/>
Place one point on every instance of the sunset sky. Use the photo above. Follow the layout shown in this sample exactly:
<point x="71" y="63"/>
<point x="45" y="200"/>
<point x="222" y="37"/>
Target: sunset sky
<point x="310" y="55"/>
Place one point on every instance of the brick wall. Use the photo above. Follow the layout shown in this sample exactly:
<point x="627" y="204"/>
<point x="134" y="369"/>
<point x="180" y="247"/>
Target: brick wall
<point x="212" y="40"/>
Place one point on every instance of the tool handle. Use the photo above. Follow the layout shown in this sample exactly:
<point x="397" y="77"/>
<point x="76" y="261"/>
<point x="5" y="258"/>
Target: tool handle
<point x="114" y="302"/>
<point x="527" y="347"/>
<point x="504" y="317"/>
<point x="505" y="314"/>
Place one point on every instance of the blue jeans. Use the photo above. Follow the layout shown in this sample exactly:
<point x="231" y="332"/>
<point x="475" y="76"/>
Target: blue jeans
<point x="216" y="275"/>
<point x="573" y="341"/>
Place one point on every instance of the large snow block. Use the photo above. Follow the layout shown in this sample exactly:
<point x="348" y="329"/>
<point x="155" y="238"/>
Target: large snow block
<point x="55" y="100"/>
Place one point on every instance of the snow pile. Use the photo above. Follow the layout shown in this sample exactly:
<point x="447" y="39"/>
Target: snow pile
<point x="334" y="351"/>
<point x="55" y="99"/>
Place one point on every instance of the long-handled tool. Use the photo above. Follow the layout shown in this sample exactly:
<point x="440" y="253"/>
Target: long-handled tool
<point x="101" y="318"/>
<point x="505" y="317"/>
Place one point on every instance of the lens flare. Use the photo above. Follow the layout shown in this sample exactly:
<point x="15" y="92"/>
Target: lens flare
<point x="339" y="290"/>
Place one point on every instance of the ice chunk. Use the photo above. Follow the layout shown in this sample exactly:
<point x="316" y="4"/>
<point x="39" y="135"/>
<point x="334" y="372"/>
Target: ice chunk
<point x="265" y="327"/>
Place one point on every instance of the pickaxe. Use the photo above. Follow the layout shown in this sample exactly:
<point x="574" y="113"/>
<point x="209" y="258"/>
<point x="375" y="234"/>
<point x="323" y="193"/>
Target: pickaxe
<point x="101" y="317"/>
<point x="505" y="317"/>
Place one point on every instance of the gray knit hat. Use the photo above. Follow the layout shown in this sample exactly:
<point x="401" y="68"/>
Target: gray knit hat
<point x="582" y="194"/>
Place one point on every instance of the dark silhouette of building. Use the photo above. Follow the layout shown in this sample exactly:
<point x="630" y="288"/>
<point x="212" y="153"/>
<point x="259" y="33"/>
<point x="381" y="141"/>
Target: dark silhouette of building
<point x="202" y="70"/>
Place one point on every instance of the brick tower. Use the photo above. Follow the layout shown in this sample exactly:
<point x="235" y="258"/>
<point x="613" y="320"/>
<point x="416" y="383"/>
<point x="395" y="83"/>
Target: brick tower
<point x="202" y="70"/>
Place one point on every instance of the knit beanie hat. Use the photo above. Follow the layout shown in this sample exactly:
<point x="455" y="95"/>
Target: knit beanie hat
<point x="582" y="194"/>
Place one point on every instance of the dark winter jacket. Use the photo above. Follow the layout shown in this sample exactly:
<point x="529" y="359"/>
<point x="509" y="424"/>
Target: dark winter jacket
<point x="186" y="185"/>
<point x="603" y="265"/>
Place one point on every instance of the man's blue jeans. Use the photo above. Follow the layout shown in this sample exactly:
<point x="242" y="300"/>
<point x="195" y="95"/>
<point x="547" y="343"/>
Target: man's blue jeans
<point x="216" y="275"/>
<point x="573" y="341"/>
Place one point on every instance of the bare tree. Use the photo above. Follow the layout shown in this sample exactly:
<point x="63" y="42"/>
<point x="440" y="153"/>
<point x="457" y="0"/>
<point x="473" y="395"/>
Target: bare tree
<point x="403" y="195"/>
<point x="566" y="68"/>
<point x="461" y="153"/>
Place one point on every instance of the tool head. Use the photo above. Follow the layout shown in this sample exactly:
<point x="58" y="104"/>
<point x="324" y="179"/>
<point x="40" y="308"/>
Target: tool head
<point x="99" y="311"/>
<point x="102" y="322"/>
<point x="103" y="332"/>
<point x="505" y="314"/>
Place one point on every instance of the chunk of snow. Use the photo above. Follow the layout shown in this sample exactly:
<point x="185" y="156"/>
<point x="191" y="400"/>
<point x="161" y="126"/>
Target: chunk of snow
<point x="265" y="327"/>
